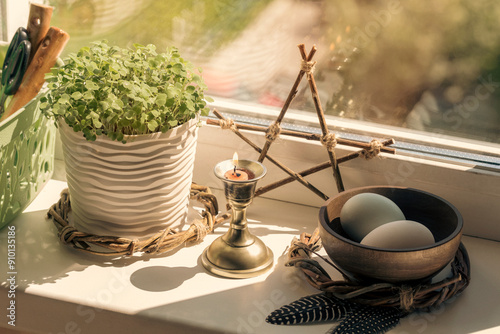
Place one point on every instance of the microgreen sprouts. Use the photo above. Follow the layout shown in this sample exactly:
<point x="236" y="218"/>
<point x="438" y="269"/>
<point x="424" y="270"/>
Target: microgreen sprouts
<point x="107" y="90"/>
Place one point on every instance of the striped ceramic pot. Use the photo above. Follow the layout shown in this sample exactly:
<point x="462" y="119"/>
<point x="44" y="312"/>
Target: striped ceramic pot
<point x="130" y="190"/>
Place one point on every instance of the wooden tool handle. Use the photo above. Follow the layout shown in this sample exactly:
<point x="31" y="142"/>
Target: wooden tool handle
<point x="45" y="58"/>
<point x="38" y="25"/>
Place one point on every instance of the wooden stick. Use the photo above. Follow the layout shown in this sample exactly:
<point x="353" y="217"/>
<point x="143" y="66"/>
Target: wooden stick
<point x="45" y="58"/>
<point x="276" y="162"/>
<point x="288" y="101"/>
<point x="308" y="136"/>
<point x="324" y="128"/>
<point x="38" y="25"/>
<point x="312" y="170"/>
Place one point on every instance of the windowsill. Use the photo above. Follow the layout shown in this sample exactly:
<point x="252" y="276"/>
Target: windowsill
<point x="62" y="290"/>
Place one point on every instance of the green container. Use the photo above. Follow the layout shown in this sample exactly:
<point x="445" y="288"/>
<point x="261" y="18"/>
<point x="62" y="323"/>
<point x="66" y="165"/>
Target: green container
<point x="27" y="143"/>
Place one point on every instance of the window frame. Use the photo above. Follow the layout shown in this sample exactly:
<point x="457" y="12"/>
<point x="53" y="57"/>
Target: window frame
<point x="16" y="15"/>
<point x="363" y="130"/>
<point x="3" y="21"/>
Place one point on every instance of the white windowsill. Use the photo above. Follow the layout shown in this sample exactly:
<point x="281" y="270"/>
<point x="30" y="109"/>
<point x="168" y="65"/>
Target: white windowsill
<point x="61" y="290"/>
<point x="64" y="291"/>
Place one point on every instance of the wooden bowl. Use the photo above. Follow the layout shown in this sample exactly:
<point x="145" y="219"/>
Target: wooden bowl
<point x="365" y="263"/>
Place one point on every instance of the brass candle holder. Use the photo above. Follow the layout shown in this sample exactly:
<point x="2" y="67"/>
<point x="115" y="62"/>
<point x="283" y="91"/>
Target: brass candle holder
<point x="238" y="253"/>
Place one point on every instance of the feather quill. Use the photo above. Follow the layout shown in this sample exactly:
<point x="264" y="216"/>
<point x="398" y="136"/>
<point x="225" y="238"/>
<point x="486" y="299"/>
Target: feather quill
<point x="353" y="318"/>
<point x="366" y="319"/>
<point x="316" y="308"/>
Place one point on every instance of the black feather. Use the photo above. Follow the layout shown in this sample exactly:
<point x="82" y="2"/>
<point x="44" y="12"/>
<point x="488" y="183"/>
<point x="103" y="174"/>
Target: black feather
<point x="315" y="308"/>
<point x="364" y="319"/>
<point x="354" y="318"/>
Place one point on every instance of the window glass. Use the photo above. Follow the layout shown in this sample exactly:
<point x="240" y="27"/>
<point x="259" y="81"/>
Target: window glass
<point x="3" y="21"/>
<point x="13" y="14"/>
<point x="432" y="66"/>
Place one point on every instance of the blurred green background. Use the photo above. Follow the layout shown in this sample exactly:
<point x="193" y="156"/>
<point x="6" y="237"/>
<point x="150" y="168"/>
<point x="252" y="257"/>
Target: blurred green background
<point x="204" y="25"/>
<point x="3" y="51"/>
<point x="410" y="64"/>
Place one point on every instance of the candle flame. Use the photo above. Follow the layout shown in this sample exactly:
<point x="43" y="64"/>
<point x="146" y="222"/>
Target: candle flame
<point x="235" y="159"/>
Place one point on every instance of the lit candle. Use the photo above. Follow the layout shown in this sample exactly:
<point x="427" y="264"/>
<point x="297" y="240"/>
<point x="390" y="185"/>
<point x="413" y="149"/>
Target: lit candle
<point x="238" y="174"/>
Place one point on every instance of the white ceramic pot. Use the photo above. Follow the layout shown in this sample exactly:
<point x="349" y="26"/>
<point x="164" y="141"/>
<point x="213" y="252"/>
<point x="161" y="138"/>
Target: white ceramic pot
<point x="133" y="189"/>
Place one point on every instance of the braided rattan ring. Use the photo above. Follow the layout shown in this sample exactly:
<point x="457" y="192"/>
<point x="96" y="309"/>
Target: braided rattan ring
<point x="162" y="242"/>
<point x="419" y="296"/>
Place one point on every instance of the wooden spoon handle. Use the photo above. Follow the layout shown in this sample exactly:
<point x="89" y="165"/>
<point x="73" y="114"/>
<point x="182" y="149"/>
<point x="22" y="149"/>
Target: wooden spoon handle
<point x="34" y="78"/>
<point x="38" y="25"/>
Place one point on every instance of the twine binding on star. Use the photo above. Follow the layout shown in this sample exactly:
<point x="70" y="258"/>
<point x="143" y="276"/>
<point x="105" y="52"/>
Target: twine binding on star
<point x="228" y="123"/>
<point x="308" y="67"/>
<point x="373" y="151"/>
<point x="273" y="132"/>
<point x="329" y="140"/>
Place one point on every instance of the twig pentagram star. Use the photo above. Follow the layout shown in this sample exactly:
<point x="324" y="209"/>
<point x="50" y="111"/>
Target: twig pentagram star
<point x="329" y="140"/>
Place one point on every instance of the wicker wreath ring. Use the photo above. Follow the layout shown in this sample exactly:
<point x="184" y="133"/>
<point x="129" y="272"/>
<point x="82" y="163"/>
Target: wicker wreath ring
<point x="408" y="298"/>
<point x="162" y="242"/>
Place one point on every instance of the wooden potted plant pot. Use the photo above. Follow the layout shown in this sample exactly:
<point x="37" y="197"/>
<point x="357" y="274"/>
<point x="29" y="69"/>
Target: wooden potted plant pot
<point x="128" y="120"/>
